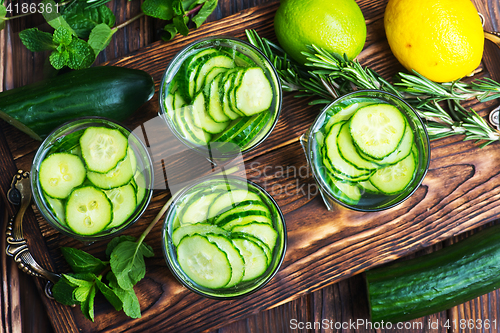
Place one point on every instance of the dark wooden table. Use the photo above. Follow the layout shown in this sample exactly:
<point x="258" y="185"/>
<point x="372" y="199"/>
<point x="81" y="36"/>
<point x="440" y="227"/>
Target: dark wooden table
<point x="21" y="307"/>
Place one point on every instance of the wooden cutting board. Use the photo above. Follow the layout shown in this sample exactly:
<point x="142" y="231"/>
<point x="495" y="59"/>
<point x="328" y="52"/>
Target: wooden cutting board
<point x="459" y="192"/>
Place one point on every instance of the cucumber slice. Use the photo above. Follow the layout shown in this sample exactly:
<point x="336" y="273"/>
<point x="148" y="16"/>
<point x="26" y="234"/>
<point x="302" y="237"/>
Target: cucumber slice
<point x="233" y="255"/>
<point x="219" y="60"/>
<point x="103" y="148"/>
<point x="262" y="231"/>
<point x="119" y="176"/>
<point x="228" y="200"/>
<point x="202" y="117"/>
<point x="60" y="173"/>
<point x="234" y="127"/>
<point x="198" y="209"/>
<point x="244" y="207"/>
<point x="348" y="151"/>
<point x="169" y="105"/>
<point x="178" y="101"/>
<point x="57" y="207"/>
<point x="188" y="128"/>
<point x="203" y="262"/>
<point x="403" y="150"/>
<point x="225" y="85"/>
<point x="349" y="192"/>
<point x="186" y="71"/>
<point x="243" y="219"/>
<point x="124" y="201"/>
<point x="196" y="228"/>
<point x="336" y="162"/>
<point x="140" y="186"/>
<point x="254" y="94"/>
<point x="193" y="68"/>
<point x="236" y="81"/>
<point x="368" y="187"/>
<point x="254" y="256"/>
<point x="214" y="72"/>
<point x="214" y="104"/>
<point x="257" y="241"/>
<point x="256" y="127"/>
<point x="395" y="178"/>
<point x="88" y="210"/>
<point x="377" y="129"/>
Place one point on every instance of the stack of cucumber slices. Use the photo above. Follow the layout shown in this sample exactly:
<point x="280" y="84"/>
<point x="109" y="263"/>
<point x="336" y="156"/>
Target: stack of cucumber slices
<point x="224" y="236"/>
<point x="91" y="181"/>
<point x="219" y="95"/>
<point x="368" y="148"/>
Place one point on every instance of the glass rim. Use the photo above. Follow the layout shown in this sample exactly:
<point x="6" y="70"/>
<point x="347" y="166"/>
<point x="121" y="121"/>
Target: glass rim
<point x="37" y="192"/>
<point x="326" y="190"/>
<point x="164" y="234"/>
<point x="180" y="55"/>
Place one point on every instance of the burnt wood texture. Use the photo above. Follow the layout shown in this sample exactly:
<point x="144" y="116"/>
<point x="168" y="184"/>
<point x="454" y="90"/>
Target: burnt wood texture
<point x="459" y="193"/>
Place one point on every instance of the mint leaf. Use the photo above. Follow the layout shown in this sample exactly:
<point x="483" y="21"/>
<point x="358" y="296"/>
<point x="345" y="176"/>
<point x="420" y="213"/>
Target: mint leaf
<point x="63" y="292"/>
<point x="178" y="8"/>
<point x="87" y="305"/>
<point x="161" y="9"/>
<point x="131" y="305"/>
<point x="81" y="55"/>
<point x="54" y="19"/>
<point x="127" y="263"/>
<point x="62" y="36"/>
<point x="100" y="37"/>
<point x="59" y="59"/>
<point x="180" y="23"/>
<point x="109" y="294"/>
<point x="36" y="40"/>
<point x="82" y="262"/>
<point x="80" y="279"/>
<point x="115" y="241"/>
<point x="190" y="4"/>
<point x="3" y="13"/>
<point x="83" y="19"/>
<point x="171" y="32"/>
<point x="204" y="12"/>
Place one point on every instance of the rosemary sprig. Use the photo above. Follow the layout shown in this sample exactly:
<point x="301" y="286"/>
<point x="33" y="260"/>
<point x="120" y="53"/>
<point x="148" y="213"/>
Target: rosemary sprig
<point x="417" y="85"/>
<point x="329" y="76"/>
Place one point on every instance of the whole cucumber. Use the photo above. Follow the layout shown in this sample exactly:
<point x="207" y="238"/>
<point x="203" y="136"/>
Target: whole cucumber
<point x="438" y="281"/>
<point x="107" y="91"/>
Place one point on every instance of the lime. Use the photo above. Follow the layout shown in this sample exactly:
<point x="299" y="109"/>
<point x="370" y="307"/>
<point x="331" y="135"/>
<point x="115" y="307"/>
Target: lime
<point x="441" y="39"/>
<point x="335" y="25"/>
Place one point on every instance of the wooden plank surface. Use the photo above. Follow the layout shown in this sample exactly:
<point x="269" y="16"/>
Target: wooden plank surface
<point x="460" y="195"/>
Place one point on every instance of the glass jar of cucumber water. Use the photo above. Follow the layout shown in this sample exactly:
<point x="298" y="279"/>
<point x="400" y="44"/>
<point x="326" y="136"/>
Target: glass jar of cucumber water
<point x="224" y="237"/>
<point x="91" y="178"/>
<point x="220" y="96"/>
<point x="368" y="151"/>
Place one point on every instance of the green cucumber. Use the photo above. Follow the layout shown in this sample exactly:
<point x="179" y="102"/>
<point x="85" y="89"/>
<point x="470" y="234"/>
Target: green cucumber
<point x="435" y="282"/>
<point x="107" y="91"/>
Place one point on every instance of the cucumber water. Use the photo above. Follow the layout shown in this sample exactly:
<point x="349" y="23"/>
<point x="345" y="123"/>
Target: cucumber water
<point x="220" y="99"/>
<point x="225" y="235"/>
<point x="367" y="152"/>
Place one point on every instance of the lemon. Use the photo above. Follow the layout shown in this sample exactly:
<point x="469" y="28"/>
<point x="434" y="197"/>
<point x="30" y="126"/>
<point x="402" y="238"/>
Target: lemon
<point x="441" y="39"/>
<point x="335" y="25"/>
